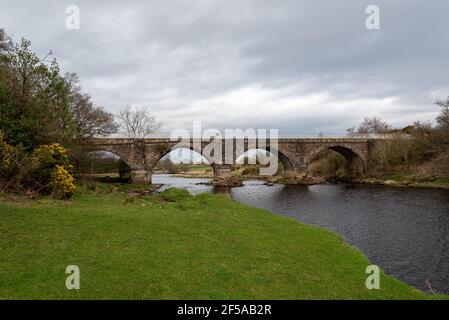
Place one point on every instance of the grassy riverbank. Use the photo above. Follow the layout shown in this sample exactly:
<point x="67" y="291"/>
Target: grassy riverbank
<point x="175" y="246"/>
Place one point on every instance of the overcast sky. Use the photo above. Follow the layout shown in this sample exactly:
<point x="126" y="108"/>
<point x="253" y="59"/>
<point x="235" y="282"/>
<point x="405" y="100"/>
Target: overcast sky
<point x="303" y="67"/>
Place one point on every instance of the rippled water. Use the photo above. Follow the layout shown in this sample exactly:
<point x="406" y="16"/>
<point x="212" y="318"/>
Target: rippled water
<point x="403" y="230"/>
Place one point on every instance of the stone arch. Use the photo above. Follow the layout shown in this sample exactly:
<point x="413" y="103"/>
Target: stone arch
<point x="115" y="151"/>
<point x="107" y="149"/>
<point x="350" y="154"/>
<point x="287" y="163"/>
<point x="182" y="146"/>
<point x="128" y="150"/>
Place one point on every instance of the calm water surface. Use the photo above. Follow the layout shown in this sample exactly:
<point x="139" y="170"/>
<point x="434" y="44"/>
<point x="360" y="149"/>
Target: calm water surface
<point x="403" y="230"/>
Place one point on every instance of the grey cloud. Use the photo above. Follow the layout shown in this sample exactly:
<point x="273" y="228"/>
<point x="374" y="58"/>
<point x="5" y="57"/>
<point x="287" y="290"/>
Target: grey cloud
<point x="184" y="60"/>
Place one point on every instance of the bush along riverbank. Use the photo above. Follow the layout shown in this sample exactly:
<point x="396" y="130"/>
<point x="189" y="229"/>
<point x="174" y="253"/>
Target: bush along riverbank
<point x="406" y="181"/>
<point x="175" y="246"/>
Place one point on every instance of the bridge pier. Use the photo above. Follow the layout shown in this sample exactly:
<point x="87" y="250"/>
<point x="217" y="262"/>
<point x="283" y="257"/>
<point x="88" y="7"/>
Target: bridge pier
<point x="291" y="173"/>
<point x="141" y="176"/>
<point x="300" y="168"/>
<point x="222" y="170"/>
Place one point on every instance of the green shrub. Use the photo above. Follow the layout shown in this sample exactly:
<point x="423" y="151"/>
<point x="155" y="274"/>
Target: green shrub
<point x="46" y="170"/>
<point x="173" y="194"/>
<point x="9" y="159"/>
<point x="124" y="170"/>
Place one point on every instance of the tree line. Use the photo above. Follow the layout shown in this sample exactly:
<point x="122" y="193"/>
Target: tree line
<point x="43" y="115"/>
<point x="39" y="105"/>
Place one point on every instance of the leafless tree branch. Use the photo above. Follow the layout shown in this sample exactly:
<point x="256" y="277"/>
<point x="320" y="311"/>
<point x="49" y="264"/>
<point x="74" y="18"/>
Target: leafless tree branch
<point x="137" y="122"/>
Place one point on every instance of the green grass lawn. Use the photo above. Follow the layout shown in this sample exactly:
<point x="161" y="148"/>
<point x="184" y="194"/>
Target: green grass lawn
<point x="176" y="246"/>
<point x="199" y="167"/>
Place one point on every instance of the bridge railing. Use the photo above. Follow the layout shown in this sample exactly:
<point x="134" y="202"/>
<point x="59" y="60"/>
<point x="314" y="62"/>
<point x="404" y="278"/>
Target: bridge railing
<point x="384" y="136"/>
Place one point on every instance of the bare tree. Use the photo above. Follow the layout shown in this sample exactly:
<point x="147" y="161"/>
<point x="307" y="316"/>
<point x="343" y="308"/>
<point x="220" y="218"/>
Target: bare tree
<point x="374" y="125"/>
<point x="443" y="117"/>
<point x="370" y="126"/>
<point x="5" y="43"/>
<point x="351" y="132"/>
<point x="137" y="122"/>
<point x="89" y="120"/>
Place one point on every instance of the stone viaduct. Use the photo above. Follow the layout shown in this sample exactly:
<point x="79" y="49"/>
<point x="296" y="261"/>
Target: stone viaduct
<point x="141" y="155"/>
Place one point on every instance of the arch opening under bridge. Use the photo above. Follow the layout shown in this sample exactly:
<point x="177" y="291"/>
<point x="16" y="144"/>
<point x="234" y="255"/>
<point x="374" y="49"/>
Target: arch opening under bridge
<point x="103" y="165"/>
<point x="255" y="159"/>
<point x="184" y="160"/>
<point x="335" y="162"/>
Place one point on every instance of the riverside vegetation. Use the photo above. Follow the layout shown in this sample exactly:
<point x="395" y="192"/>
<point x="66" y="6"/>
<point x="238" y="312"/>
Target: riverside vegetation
<point x="416" y="155"/>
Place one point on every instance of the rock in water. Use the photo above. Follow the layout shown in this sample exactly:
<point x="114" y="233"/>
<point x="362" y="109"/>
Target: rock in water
<point x="304" y="180"/>
<point x="227" y="181"/>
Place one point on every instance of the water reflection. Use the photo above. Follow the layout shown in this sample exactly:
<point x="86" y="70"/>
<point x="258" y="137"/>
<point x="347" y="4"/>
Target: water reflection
<point x="403" y="230"/>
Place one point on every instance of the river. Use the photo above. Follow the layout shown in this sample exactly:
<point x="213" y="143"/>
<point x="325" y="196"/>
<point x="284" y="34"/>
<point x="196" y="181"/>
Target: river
<point x="403" y="230"/>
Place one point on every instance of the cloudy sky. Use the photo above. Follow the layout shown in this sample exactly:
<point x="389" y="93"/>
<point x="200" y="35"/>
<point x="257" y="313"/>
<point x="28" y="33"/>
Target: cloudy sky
<point x="303" y="67"/>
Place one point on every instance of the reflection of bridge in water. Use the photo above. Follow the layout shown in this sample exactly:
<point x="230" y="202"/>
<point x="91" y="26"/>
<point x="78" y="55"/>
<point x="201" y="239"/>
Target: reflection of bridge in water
<point x="295" y="154"/>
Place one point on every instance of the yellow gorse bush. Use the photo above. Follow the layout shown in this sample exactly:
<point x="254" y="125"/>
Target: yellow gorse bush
<point x="51" y="165"/>
<point x="47" y="169"/>
<point x="50" y="155"/>
<point x="62" y="181"/>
